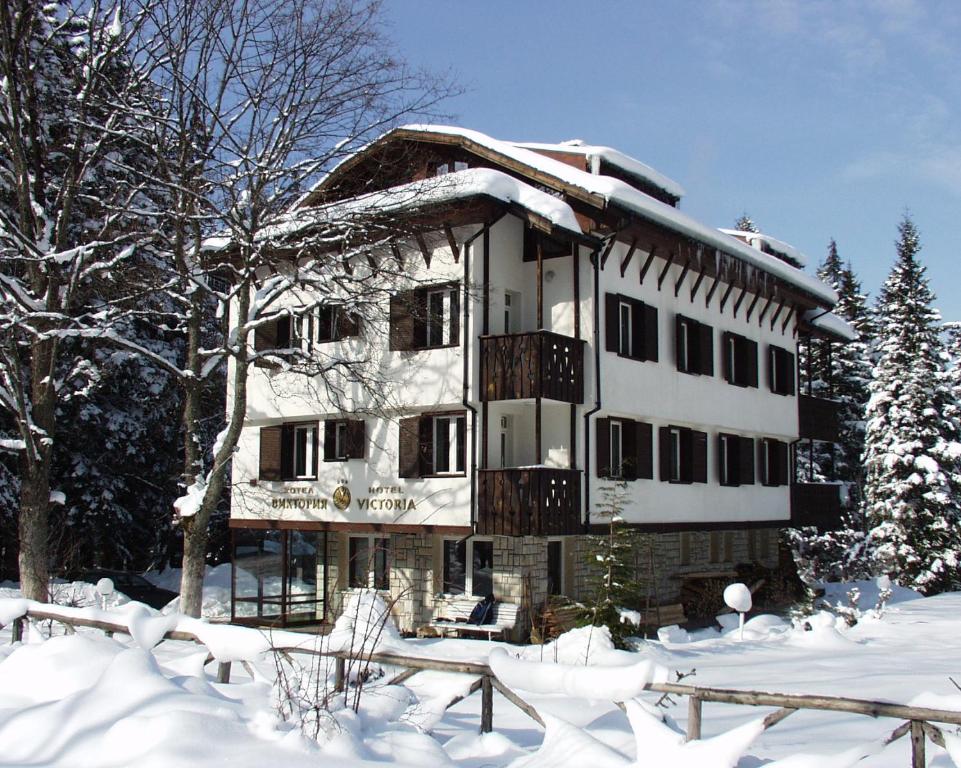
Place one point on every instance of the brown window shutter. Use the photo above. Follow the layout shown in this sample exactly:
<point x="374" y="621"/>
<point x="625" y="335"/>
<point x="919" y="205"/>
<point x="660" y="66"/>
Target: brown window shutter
<point x="650" y="331"/>
<point x="330" y="440"/>
<point x="664" y="451"/>
<point x="705" y="334"/>
<point x="270" y="439"/>
<point x="644" y="452"/>
<point x="786" y="372"/>
<point x="629" y="449"/>
<point x="698" y="457"/>
<point x="745" y="470"/>
<point x="356" y="439"/>
<point x="751" y="351"/>
<point x="679" y="357"/>
<point x="612" y="325"/>
<point x="425" y="445"/>
<point x="781" y="462"/>
<point x="402" y="321"/>
<point x="348" y="324"/>
<point x="455" y="315"/>
<point x="687" y="456"/>
<point x="287" y="452"/>
<point x="313" y="453"/>
<point x="418" y="310"/>
<point x="603" y="452"/>
<point x="409" y="449"/>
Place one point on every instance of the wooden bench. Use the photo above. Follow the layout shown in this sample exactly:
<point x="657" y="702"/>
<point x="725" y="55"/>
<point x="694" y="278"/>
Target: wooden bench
<point x="452" y="617"/>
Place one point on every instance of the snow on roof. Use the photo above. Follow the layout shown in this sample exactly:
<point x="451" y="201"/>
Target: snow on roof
<point x="615" y="158"/>
<point x="473" y="182"/>
<point x="757" y="238"/>
<point x="830" y="324"/>
<point x="622" y="194"/>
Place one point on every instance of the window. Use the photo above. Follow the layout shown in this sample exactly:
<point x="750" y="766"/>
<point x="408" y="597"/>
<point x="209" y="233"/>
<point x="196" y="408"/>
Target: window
<point x="511" y="311"/>
<point x="683" y="455"/>
<point x="433" y="444"/>
<point x="468" y="567"/>
<point x="425" y="318"/>
<point x="772" y="462"/>
<point x="449" y="166"/>
<point x="694" y="346"/>
<point x="334" y="323"/>
<point x="740" y="360"/>
<point x="369" y="565"/>
<point x="555" y="567"/>
<point x="344" y="439"/>
<point x="631" y="327"/>
<point x="289" y="452"/>
<point x="735" y="459"/>
<point x="624" y="449"/>
<point x="781" y="370"/>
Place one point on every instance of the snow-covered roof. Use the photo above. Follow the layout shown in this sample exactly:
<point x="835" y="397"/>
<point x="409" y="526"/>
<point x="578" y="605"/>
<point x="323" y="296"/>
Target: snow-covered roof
<point x="623" y="195"/>
<point x="757" y="239"/>
<point x="460" y="185"/>
<point x="830" y="324"/>
<point x="618" y="159"/>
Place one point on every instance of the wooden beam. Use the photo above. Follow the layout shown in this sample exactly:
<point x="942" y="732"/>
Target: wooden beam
<point x="740" y="299"/>
<point x="423" y="248"/>
<point x="750" y="309"/>
<point x="697" y="283"/>
<point x="630" y="255"/>
<point x="787" y="319"/>
<point x="710" y="291"/>
<point x="777" y="312"/>
<point x="452" y="242"/>
<point x="607" y="251"/>
<point x="693" y="718"/>
<point x="398" y="256"/>
<point x="648" y="262"/>
<point x="680" y="280"/>
<point x="667" y="266"/>
<point x="517" y="701"/>
<point x="348" y="267"/>
<point x="371" y="261"/>
<point x="767" y="306"/>
<point x="724" y="298"/>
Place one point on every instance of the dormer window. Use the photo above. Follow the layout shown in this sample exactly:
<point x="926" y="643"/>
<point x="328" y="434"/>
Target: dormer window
<point x="449" y="166"/>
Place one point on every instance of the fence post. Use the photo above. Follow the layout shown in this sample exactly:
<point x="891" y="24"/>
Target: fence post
<point x="223" y="672"/>
<point x="693" y="718"/>
<point x="16" y="635"/>
<point x="917" y="744"/>
<point x="487" y="705"/>
<point x="339" y="673"/>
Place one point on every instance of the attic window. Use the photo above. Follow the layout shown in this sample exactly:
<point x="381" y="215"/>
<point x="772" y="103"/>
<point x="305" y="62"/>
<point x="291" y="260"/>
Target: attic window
<point x="449" y="166"/>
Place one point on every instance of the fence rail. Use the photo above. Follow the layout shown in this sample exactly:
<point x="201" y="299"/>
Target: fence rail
<point x="918" y="721"/>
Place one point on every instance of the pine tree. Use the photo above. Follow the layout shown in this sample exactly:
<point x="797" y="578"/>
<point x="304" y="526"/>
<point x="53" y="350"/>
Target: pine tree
<point x="744" y="223"/>
<point x="912" y="449"/>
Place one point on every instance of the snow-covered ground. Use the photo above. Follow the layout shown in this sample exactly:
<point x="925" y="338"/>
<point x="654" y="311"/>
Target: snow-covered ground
<point x="88" y="700"/>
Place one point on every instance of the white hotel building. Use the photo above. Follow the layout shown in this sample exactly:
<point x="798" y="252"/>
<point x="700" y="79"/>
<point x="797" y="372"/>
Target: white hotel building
<point x="575" y="328"/>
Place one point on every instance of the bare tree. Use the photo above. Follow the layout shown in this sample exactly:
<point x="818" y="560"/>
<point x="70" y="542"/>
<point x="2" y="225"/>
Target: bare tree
<point x="65" y="228"/>
<point x="257" y="99"/>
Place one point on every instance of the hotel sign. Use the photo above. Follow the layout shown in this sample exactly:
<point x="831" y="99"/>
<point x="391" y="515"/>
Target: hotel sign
<point x="379" y="498"/>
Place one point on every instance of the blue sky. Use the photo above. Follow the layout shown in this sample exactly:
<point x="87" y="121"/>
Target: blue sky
<point x="819" y="118"/>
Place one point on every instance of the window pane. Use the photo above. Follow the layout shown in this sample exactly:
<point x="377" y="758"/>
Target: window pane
<point x="442" y="444"/>
<point x="482" y="569"/>
<point x="455" y="570"/>
<point x="616" y="459"/>
<point x="625" y="329"/>
<point x="304" y="557"/>
<point x="258" y="573"/>
<point x="460" y="446"/>
<point x="359" y="566"/>
<point x="382" y="563"/>
<point x="555" y="564"/>
<point x="303" y="451"/>
<point x="435" y="318"/>
<point x="340" y="446"/>
<point x="675" y="455"/>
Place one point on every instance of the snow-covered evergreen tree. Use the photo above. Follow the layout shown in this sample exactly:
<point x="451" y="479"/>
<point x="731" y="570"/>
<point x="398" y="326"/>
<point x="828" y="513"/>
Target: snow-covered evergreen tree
<point x="912" y="450"/>
<point x="744" y="223"/>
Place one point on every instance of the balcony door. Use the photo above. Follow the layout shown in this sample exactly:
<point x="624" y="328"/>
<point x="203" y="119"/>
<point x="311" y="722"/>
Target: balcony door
<point x="512" y="312"/>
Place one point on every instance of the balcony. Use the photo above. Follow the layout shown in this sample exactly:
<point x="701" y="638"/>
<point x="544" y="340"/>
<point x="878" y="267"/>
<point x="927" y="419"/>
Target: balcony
<point x="818" y="418"/>
<point x="542" y="364"/>
<point x="536" y="501"/>
<point x="816" y="504"/>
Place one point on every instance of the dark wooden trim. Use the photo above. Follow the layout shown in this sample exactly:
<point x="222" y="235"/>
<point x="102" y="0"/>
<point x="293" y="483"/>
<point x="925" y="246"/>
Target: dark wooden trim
<point x="398" y="256"/>
<point x="777" y="312"/>
<point x="648" y="262"/>
<point x="725" y="297"/>
<point x="667" y="266"/>
<point x="576" y="267"/>
<point x="680" y="280"/>
<point x="739" y="525"/>
<point x="607" y="251"/>
<point x="538" y="423"/>
<point x="371" y="261"/>
<point x="750" y="309"/>
<point x="486" y="313"/>
<point x="710" y="291"/>
<point x="423" y="248"/>
<point x="697" y="284"/>
<point x="787" y="320"/>
<point x="767" y="306"/>
<point x="452" y="242"/>
<point x="316" y="525"/>
<point x="737" y="304"/>
<point x="485" y="431"/>
<point x="573" y="432"/>
<point x="540" y="285"/>
<point x="630" y="255"/>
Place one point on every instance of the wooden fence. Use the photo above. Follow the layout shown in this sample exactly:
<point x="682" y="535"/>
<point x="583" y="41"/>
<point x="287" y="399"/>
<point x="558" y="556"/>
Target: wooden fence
<point x="918" y="721"/>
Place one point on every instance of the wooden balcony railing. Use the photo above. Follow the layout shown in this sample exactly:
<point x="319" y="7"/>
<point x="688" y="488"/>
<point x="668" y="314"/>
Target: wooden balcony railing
<point x="528" y="365"/>
<point x="818" y="418"/>
<point x="816" y="504"/>
<point x="535" y="501"/>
